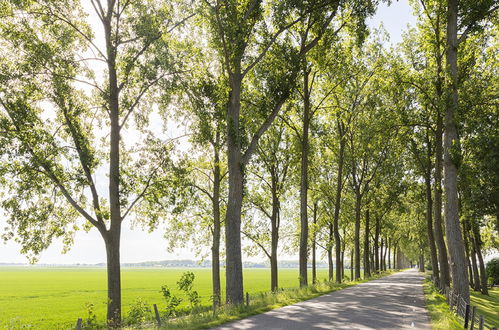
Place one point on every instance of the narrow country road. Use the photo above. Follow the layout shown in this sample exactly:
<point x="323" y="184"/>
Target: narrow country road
<point x="393" y="302"/>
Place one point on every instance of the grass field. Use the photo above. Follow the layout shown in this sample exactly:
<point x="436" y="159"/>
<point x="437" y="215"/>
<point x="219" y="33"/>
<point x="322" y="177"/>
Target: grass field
<point x="443" y="319"/>
<point x="53" y="298"/>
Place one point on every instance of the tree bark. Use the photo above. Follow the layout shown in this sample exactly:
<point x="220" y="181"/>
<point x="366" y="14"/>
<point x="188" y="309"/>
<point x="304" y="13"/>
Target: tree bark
<point x="337" y="202"/>
<point x="314" y="265"/>
<point x="358" y="201"/>
<point x="376" y="246"/>
<point x="388" y="249"/>
<point x="429" y="209"/>
<point x="112" y="238"/>
<point x="474" y="264"/>
<point x="478" y="245"/>
<point x="439" y="235"/>
<point x="304" y="180"/>
<point x="467" y="251"/>
<point x="351" y="265"/>
<point x="215" y="248"/>
<point x="274" y="281"/>
<point x="113" y="280"/>
<point x="234" y="268"/>
<point x="367" y="264"/>
<point x="451" y="144"/>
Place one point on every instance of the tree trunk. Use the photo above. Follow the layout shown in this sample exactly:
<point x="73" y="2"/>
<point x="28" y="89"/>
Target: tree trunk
<point x="376" y="247"/>
<point x="451" y="144"/>
<point x="367" y="265"/>
<point x="357" y="235"/>
<point x="314" y="265"/>
<point x="234" y="267"/>
<point x="421" y="261"/>
<point x="388" y="249"/>
<point x="275" y="223"/>
<point x="351" y="265"/>
<point x="215" y="248"/>
<point x="112" y="239"/>
<point x="337" y="202"/>
<point x="474" y="264"/>
<point x="342" y="265"/>
<point x="478" y="245"/>
<point x="304" y="181"/>
<point x="330" y="253"/>
<point x="467" y="251"/>
<point x="113" y="280"/>
<point x="439" y="236"/>
<point x="429" y="209"/>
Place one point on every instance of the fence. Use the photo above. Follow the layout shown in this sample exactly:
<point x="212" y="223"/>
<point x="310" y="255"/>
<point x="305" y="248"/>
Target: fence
<point x="472" y="320"/>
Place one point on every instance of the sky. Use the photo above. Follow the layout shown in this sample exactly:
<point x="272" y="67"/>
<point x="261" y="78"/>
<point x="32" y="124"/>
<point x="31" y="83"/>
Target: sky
<point x="139" y="245"/>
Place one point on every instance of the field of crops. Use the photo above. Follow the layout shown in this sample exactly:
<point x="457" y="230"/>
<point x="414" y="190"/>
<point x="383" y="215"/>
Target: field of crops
<point x="53" y="298"/>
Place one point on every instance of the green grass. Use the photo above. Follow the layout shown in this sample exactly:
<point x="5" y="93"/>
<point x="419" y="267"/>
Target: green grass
<point x="52" y="298"/>
<point x="488" y="306"/>
<point x="440" y="315"/>
<point x="442" y="318"/>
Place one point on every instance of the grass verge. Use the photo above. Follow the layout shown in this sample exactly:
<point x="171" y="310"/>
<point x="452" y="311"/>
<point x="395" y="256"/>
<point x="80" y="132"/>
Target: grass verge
<point x="259" y="304"/>
<point x="443" y="318"/>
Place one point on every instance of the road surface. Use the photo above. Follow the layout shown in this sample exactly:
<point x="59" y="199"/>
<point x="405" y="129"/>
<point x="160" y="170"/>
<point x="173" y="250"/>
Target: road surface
<point x="392" y="302"/>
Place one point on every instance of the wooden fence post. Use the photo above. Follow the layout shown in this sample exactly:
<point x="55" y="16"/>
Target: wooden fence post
<point x="247" y="299"/>
<point x="78" y="324"/>
<point x="480" y="326"/>
<point x="156" y="312"/>
<point x="466" y="316"/>
<point x="473" y="317"/>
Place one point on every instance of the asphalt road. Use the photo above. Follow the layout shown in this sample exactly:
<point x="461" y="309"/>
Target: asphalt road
<point x="393" y="302"/>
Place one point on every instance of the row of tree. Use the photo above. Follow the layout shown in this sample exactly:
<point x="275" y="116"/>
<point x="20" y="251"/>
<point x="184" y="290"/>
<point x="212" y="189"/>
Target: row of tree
<point x="279" y="106"/>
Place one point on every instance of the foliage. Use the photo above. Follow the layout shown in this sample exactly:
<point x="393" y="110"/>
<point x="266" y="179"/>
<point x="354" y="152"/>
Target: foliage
<point x="139" y="312"/>
<point x="171" y="301"/>
<point x="493" y="270"/>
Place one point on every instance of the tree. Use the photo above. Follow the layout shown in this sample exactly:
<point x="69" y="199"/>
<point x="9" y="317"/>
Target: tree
<point x="275" y="156"/>
<point x="56" y="107"/>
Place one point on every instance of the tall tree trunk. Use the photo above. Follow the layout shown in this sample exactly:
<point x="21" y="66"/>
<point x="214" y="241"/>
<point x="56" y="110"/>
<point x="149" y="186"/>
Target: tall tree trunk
<point x="234" y="267"/>
<point x="357" y="235"/>
<point x="113" y="280"/>
<point x="439" y="235"/>
<point x="215" y="248"/>
<point x="275" y="223"/>
<point x="337" y="202"/>
<point x="451" y="143"/>
<point x="351" y="265"/>
<point x="330" y="253"/>
<point x="429" y="209"/>
<point x="421" y="261"/>
<point x="112" y="239"/>
<point x="376" y="247"/>
<point x="474" y="264"/>
<point x="478" y="244"/>
<point x="367" y="265"/>
<point x="314" y="243"/>
<point x="342" y="265"/>
<point x="304" y="180"/>
<point x="382" y="255"/>
<point x="388" y="249"/>
<point x="467" y="251"/>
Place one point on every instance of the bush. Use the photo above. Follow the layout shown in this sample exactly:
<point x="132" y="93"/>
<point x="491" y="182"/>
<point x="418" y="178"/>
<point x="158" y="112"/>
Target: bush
<point x="139" y="312"/>
<point x="171" y="300"/>
<point x="493" y="270"/>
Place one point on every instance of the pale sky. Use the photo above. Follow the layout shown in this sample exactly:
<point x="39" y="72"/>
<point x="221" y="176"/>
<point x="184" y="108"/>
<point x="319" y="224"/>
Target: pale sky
<point x="138" y="245"/>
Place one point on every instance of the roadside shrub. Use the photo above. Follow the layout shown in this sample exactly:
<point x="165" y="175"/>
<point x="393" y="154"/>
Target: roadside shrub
<point x="493" y="270"/>
<point x="139" y="312"/>
<point x="171" y="300"/>
<point x="185" y="284"/>
<point x="91" y="320"/>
